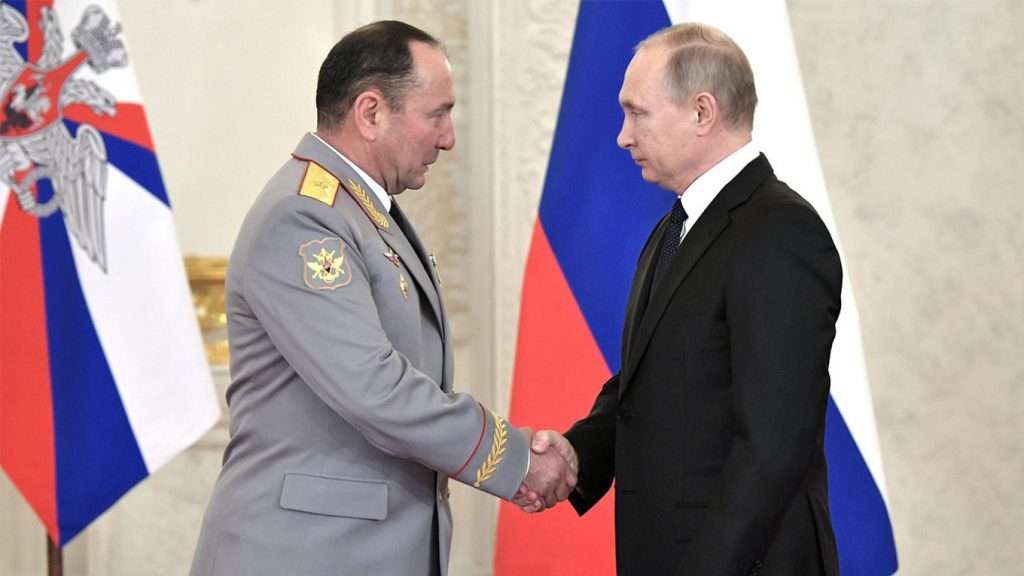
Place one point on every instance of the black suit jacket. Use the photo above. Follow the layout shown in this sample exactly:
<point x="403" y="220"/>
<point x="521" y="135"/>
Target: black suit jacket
<point x="713" y="430"/>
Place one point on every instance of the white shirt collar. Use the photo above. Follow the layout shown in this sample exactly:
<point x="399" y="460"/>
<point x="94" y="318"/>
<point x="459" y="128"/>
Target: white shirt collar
<point x="375" y="186"/>
<point x="706" y="187"/>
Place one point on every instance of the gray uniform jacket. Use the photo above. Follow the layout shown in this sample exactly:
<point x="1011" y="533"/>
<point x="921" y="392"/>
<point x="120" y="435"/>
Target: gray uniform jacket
<point x="344" y="426"/>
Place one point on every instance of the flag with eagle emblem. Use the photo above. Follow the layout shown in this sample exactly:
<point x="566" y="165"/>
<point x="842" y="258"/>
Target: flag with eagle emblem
<point x="103" y="378"/>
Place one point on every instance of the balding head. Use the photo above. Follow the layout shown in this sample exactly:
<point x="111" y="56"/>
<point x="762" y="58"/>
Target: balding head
<point x="705" y="59"/>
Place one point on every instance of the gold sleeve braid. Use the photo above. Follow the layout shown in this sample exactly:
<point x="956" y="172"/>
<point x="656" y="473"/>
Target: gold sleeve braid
<point x="499" y="442"/>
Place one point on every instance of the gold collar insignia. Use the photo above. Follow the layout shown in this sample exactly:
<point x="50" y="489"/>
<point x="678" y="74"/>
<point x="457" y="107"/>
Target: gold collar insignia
<point x="361" y="197"/>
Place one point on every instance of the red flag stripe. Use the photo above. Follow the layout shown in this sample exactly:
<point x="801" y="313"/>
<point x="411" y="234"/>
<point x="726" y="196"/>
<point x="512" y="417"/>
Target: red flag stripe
<point x="26" y="410"/>
<point x="128" y="123"/>
<point x="551" y="365"/>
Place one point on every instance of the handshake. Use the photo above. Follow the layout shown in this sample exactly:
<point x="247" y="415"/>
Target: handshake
<point x="553" y="472"/>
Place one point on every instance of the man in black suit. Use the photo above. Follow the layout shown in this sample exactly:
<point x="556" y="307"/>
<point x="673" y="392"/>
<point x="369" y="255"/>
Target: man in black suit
<point x="713" y="430"/>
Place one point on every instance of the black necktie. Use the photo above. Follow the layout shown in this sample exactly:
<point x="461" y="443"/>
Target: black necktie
<point x="403" y="224"/>
<point x="398" y="217"/>
<point x="669" y="242"/>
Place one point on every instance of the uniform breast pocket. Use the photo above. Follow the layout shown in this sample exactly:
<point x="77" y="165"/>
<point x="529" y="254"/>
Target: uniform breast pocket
<point x="333" y="496"/>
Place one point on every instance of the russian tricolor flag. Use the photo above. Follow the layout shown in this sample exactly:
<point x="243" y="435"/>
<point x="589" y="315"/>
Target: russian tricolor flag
<point x="103" y="378"/>
<point x="595" y="213"/>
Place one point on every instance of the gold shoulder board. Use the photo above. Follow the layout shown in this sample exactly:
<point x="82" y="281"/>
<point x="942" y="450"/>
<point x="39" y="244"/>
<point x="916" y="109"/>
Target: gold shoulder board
<point x="319" y="184"/>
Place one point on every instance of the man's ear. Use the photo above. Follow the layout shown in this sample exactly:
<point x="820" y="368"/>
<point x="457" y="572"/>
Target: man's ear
<point x="370" y="114"/>
<point x="707" y="112"/>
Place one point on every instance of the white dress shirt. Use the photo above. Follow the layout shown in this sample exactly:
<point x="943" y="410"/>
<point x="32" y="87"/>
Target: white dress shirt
<point x="706" y="187"/>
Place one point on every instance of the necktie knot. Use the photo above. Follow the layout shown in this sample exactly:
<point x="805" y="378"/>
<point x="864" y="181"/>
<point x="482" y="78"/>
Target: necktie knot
<point x="677" y="218"/>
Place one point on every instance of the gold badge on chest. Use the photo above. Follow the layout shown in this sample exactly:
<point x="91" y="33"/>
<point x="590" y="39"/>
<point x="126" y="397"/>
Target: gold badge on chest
<point x="437" y="271"/>
<point x="403" y="285"/>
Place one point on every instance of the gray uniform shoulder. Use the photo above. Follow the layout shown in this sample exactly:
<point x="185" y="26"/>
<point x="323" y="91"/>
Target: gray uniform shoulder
<point x="300" y="202"/>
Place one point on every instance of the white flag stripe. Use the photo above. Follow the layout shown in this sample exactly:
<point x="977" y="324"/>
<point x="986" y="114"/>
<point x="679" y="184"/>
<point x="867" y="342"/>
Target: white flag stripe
<point x="782" y="129"/>
<point x="146" y="323"/>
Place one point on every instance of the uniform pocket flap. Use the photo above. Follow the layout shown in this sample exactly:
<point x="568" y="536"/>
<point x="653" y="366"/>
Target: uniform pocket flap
<point x="330" y="496"/>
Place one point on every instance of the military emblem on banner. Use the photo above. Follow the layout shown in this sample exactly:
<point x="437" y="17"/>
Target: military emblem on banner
<point x="35" y="143"/>
<point x="324" y="266"/>
<point x="97" y="318"/>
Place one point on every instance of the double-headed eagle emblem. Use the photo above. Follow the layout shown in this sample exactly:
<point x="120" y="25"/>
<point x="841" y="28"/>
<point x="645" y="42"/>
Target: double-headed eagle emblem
<point x="35" y="143"/>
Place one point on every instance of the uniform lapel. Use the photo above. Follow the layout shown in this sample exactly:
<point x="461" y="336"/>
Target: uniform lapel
<point x="405" y="245"/>
<point x="697" y="241"/>
<point x="408" y="247"/>
<point x="420" y="266"/>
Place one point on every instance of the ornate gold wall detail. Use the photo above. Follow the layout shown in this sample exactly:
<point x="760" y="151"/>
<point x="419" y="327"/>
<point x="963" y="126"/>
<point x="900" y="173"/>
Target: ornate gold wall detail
<point x="206" y="277"/>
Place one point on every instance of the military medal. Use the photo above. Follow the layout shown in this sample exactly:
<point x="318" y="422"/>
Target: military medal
<point x="437" y="273"/>
<point x="403" y="286"/>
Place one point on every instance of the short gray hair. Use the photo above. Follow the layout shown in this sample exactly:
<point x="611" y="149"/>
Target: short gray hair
<point x="705" y="59"/>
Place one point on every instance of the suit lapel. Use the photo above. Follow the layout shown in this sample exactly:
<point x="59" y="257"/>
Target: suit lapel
<point x="705" y="231"/>
<point x="640" y="290"/>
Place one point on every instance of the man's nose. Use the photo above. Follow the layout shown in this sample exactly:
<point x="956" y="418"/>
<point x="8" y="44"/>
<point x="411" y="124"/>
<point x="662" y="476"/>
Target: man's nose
<point x="625" y="137"/>
<point x="447" y="139"/>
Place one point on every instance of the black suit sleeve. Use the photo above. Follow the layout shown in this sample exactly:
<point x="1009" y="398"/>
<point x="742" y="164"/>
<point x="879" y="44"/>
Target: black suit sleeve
<point x="782" y="301"/>
<point x="593" y="438"/>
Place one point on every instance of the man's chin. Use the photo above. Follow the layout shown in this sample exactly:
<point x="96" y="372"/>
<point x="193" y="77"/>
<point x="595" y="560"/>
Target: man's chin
<point x="415" y="184"/>
<point x="647" y="175"/>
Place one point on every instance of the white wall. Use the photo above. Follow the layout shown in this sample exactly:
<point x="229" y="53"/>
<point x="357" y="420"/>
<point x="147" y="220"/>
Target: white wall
<point x="228" y="88"/>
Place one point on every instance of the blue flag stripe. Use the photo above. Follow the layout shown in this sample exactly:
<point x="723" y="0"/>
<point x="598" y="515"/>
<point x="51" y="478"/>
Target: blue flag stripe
<point x="596" y="210"/>
<point x="97" y="458"/>
<point x="136" y="162"/>
<point x="859" y="517"/>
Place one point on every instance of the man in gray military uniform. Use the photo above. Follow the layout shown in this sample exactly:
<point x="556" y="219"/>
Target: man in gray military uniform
<point x="344" y="426"/>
